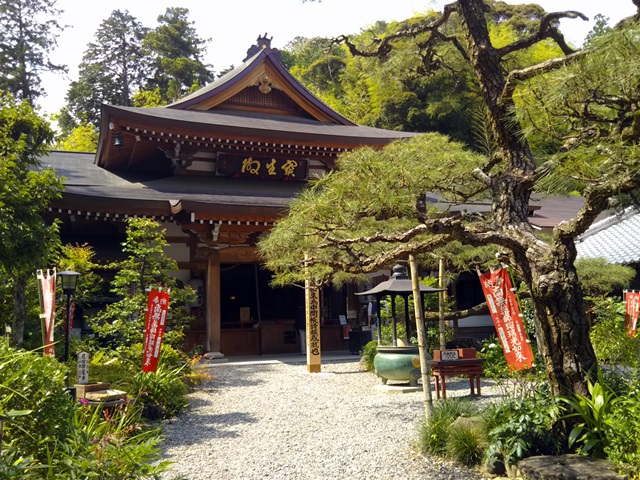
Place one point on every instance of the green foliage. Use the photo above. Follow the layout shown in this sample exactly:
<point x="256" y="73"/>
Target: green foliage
<point x="434" y="433"/>
<point x="160" y="394"/>
<point x="519" y="428"/>
<point x="107" y="444"/>
<point x="29" y="29"/>
<point x="609" y="336"/>
<point x="35" y="383"/>
<point x="495" y="365"/>
<point x="26" y="191"/>
<point x="624" y="434"/>
<point x="599" y="277"/>
<point x="175" y="52"/>
<point x="147" y="266"/>
<point x="594" y="413"/>
<point x="113" y="67"/>
<point x="368" y="353"/>
<point x="466" y="441"/>
<point x="588" y="110"/>
<point x="389" y="182"/>
<point x="83" y="138"/>
<point x="47" y="434"/>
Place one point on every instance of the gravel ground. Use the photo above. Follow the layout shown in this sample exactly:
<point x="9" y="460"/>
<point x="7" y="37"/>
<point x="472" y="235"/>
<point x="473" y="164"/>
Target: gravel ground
<point x="277" y="421"/>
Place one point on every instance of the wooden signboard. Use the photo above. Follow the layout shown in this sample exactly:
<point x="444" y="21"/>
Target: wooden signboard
<point x="312" y="304"/>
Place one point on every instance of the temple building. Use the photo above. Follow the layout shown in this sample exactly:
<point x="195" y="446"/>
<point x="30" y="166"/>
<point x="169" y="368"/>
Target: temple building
<point x="216" y="169"/>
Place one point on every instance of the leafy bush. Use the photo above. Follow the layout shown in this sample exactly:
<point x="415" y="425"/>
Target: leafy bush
<point x="160" y="394"/>
<point x="30" y="381"/>
<point x="624" y="431"/>
<point x="368" y="353"/>
<point x="518" y="428"/>
<point x="595" y="411"/>
<point x="434" y="433"/>
<point x="495" y="365"/>
<point x="47" y="434"/>
<point x="107" y="444"/>
<point x="609" y="336"/>
<point x="511" y="383"/>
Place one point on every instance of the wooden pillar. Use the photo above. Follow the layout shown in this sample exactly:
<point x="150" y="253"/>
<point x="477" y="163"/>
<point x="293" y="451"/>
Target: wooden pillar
<point x="213" y="305"/>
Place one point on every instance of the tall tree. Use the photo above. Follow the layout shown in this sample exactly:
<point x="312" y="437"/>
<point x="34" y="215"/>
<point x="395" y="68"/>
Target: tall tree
<point x="112" y="68"/>
<point x="28" y="33"/>
<point x="415" y="86"/>
<point x="26" y="190"/>
<point x="176" y="53"/>
<point x="147" y="266"/>
<point x="359" y="237"/>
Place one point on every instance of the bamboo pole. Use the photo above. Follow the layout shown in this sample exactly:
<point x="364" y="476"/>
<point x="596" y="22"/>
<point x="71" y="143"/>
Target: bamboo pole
<point x="425" y="365"/>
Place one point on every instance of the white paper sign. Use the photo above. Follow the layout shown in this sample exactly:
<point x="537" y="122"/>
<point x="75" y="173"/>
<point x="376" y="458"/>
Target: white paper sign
<point x="449" y="355"/>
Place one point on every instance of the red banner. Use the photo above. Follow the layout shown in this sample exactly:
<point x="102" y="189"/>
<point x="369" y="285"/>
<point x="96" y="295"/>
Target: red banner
<point x="47" y="284"/>
<point x="507" y="319"/>
<point x="632" y="306"/>
<point x="155" y="320"/>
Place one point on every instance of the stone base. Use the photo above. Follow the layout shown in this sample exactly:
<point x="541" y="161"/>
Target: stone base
<point x="398" y="388"/>
<point x="213" y="355"/>
<point x="566" y="467"/>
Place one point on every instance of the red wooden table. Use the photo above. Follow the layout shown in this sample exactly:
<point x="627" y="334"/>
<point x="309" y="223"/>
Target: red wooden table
<point x="454" y="362"/>
<point x="451" y="368"/>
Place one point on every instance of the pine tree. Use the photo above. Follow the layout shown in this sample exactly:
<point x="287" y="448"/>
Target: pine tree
<point x="28" y="33"/>
<point x="176" y="53"/>
<point x="113" y="68"/>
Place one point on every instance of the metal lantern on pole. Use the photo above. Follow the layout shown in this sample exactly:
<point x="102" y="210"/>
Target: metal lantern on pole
<point x="69" y="285"/>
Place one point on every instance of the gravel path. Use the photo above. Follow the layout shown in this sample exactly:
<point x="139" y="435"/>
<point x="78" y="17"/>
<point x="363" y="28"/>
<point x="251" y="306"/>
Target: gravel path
<point x="277" y="421"/>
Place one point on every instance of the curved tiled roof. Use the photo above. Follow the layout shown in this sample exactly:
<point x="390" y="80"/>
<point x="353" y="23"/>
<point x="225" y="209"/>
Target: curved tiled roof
<point x="615" y="238"/>
<point x="273" y="125"/>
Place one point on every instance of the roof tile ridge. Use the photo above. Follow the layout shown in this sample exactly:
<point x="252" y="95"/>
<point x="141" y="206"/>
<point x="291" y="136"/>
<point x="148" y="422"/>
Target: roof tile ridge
<point x="606" y="223"/>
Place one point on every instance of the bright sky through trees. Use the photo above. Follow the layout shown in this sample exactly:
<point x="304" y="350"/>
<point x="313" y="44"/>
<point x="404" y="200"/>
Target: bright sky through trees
<point x="234" y="26"/>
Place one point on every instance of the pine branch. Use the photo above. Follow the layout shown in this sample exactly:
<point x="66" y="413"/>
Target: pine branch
<point x="545" y="30"/>
<point x="517" y="76"/>
<point x="384" y="46"/>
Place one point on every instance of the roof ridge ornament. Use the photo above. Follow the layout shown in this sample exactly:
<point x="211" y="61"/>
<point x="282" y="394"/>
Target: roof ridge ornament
<point x="264" y="84"/>
<point x="262" y="43"/>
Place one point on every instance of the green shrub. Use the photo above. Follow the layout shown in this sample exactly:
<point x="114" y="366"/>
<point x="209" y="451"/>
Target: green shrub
<point x="434" y="433"/>
<point x="31" y="381"/>
<point x="518" y="428"/>
<point x="595" y="417"/>
<point x="160" y="394"/>
<point x="609" y="336"/>
<point x="107" y="444"/>
<point x="368" y="353"/>
<point x="466" y="441"/>
<point x="495" y="365"/>
<point x="47" y="434"/>
<point x="624" y="432"/>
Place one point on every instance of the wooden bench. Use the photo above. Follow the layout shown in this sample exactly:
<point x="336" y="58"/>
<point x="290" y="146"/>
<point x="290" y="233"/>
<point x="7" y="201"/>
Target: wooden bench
<point x="445" y="364"/>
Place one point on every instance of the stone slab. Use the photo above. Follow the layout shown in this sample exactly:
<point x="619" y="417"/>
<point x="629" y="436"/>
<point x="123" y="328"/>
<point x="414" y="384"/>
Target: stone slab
<point x="398" y="388"/>
<point x="567" y="467"/>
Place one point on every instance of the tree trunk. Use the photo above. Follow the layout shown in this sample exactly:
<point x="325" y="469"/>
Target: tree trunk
<point x="562" y="322"/>
<point x="548" y="270"/>
<point x="19" y="310"/>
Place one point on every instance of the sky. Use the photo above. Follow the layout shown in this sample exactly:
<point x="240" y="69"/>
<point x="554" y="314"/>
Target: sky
<point x="234" y="25"/>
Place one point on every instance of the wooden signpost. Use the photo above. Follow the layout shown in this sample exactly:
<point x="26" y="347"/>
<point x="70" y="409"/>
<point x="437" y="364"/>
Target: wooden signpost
<point x="312" y="307"/>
